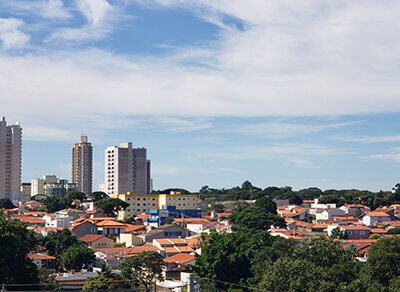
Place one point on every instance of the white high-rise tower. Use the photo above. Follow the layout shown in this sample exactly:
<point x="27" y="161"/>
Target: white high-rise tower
<point x="126" y="170"/>
<point x="10" y="160"/>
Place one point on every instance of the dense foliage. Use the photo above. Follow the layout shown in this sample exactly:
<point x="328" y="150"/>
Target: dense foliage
<point x="15" y="244"/>
<point x="259" y="260"/>
<point x="6" y="203"/>
<point x="77" y="257"/>
<point x="111" y="206"/>
<point x="341" y="197"/>
<point x="143" y="270"/>
<point x="55" y="203"/>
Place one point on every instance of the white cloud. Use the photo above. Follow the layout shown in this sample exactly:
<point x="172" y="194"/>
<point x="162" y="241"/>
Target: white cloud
<point x="368" y="139"/>
<point x="391" y="157"/>
<point x="45" y="133"/>
<point x="54" y="9"/>
<point x="98" y="15"/>
<point x="279" y="129"/>
<point x="297" y="58"/>
<point x="10" y="34"/>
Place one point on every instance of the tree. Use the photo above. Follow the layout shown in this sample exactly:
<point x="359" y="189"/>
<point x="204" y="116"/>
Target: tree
<point x="97" y="196"/>
<point x="339" y="233"/>
<point x="6" y="203"/>
<point x="48" y="280"/>
<point x="111" y="206"/>
<point x="75" y="195"/>
<point x="15" y="244"/>
<point x="384" y="260"/>
<point x="255" y="218"/>
<point x="395" y="230"/>
<point x="56" y="243"/>
<point x="267" y="204"/>
<point x="104" y="280"/>
<point x="324" y="252"/>
<point x="76" y="256"/>
<point x="169" y="220"/>
<point x="53" y="204"/>
<point x="292" y="275"/>
<point x="143" y="269"/>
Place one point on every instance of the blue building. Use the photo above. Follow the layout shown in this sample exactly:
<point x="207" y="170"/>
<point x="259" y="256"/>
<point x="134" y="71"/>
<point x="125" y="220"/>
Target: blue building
<point x="158" y="216"/>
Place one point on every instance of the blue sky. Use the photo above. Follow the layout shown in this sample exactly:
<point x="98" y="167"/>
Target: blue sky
<point x="276" y="92"/>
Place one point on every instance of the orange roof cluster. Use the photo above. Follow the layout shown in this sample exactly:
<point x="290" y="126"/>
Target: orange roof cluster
<point x="28" y="219"/>
<point x="110" y="224"/>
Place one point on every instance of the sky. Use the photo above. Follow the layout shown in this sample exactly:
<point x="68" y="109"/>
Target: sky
<point x="280" y="93"/>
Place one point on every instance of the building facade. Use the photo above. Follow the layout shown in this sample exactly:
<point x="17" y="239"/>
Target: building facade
<point x="82" y="165"/>
<point x="25" y="192"/>
<point x="51" y="185"/>
<point x="139" y="204"/>
<point x="127" y="169"/>
<point x="10" y="160"/>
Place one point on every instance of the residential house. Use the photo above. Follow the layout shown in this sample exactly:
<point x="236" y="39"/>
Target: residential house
<point x="353" y="232"/>
<point x="177" y="270"/>
<point x="96" y="241"/>
<point x="328" y="214"/>
<point x="43" y="260"/>
<point x="355" y="210"/>
<point x="109" y="227"/>
<point x="170" y="247"/>
<point x="374" y="217"/>
<point x="83" y="228"/>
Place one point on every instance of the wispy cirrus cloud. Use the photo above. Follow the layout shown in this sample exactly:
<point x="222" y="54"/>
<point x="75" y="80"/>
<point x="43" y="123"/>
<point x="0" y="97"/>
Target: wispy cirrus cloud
<point x="368" y="138"/>
<point x="391" y="157"/>
<point x="280" y="129"/>
<point x="99" y="17"/>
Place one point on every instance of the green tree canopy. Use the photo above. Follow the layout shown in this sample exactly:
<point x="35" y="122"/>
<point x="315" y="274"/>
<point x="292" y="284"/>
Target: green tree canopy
<point x="97" y="196"/>
<point x="6" y="203"/>
<point x="384" y="260"/>
<point x="111" y="206"/>
<point x="143" y="269"/>
<point x="255" y="218"/>
<point x="75" y="195"/>
<point x="267" y="204"/>
<point x="15" y="244"/>
<point x="76" y="257"/>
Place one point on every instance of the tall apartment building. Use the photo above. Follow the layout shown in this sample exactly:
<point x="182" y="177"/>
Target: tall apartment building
<point x="127" y="170"/>
<point x="10" y="160"/>
<point x="82" y="165"/>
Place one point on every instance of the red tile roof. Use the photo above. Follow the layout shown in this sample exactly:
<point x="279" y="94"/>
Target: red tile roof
<point x="40" y="256"/>
<point x="180" y="258"/>
<point x="89" y="238"/>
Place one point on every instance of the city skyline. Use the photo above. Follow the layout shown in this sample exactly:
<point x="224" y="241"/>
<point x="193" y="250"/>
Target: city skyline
<point x="218" y="92"/>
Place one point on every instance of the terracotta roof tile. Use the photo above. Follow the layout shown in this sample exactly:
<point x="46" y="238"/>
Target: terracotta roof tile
<point x="91" y="237"/>
<point x="180" y="258"/>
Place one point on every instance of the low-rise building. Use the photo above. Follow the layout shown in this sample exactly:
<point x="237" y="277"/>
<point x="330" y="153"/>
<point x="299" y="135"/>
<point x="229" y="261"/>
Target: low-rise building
<point x="373" y="217"/>
<point x="139" y="204"/>
<point x="96" y="241"/>
<point x="43" y="260"/>
<point x="83" y="228"/>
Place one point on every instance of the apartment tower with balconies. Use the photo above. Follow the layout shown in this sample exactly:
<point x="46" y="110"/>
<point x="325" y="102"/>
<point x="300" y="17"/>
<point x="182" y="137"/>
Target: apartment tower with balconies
<point x="10" y="160"/>
<point x="82" y="165"/>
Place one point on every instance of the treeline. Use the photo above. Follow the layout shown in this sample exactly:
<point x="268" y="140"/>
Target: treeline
<point x="251" y="259"/>
<point x="341" y="197"/>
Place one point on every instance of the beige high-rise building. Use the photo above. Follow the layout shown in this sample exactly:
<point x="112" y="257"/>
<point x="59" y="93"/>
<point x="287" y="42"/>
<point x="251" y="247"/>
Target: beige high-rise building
<point x="10" y="160"/>
<point x="82" y="165"/>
